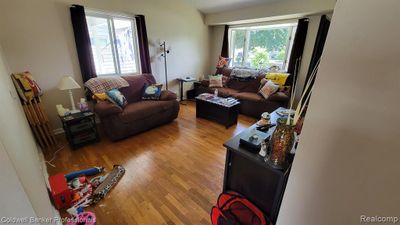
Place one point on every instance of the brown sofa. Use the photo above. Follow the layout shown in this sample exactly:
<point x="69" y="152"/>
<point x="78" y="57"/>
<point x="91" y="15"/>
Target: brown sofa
<point x="252" y="104"/>
<point x="138" y="115"/>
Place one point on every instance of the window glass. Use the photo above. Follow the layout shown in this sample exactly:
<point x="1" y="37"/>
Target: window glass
<point x="125" y="46"/>
<point x="100" y="39"/>
<point x="114" y="44"/>
<point x="262" y="46"/>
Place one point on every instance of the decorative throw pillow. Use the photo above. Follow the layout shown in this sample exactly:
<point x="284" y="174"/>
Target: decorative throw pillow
<point x="116" y="97"/>
<point x="268" y="89"/>
<point x="100" y="96"/>
<point x="152" y="92"/>
<point x="215" y="81"/>
<point x="223" y="62"/>
<point x="278" y="78"/>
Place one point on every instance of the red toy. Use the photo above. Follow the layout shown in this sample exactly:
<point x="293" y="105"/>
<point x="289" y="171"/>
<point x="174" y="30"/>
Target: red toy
<point x="61" y="194"/>
<point x="232" y="208"/>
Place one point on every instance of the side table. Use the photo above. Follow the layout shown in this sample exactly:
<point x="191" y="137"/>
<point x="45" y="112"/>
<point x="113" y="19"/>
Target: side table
<point x="80" y="129"/>
<point x="181" y="82"/>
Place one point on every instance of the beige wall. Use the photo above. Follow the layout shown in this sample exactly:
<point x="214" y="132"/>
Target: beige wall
<point x="17" y="140"/>
<point x="37" y="36"/>
<point x="347" y="161"/>
<point x="278" y="10"/>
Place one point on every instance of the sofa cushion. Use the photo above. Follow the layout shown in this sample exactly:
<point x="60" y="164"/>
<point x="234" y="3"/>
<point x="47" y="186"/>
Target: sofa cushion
<point x="143" y="109"/>
<point x="251" y="85"/>
<point x="248" y="96"/>
<point x="167" y="95"/>
<point x="279" y="97"/>
<point x="134" y="92"/>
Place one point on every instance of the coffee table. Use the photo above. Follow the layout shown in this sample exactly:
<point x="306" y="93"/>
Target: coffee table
<point x="221" y="110"/>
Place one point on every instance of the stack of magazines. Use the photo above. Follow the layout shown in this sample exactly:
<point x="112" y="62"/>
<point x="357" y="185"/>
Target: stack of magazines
<point x="218" y="100"/>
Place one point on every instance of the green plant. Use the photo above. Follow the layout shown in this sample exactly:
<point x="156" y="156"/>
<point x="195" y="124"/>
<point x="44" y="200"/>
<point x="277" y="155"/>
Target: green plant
<point x="259" y="58"/>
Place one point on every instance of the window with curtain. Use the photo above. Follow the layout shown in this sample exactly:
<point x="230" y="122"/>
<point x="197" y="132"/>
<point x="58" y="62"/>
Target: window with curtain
<point x="114" y="43"/>
<point x="261" y="46"/>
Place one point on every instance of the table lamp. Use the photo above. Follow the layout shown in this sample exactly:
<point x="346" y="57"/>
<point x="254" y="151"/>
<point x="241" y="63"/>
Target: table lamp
<point x="68" y="83"/>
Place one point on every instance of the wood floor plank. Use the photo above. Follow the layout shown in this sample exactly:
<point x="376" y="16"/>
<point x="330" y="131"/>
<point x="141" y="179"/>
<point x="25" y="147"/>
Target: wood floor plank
<point x="174" y="173"/>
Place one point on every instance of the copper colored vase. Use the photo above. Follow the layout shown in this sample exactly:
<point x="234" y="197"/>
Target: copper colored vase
<point x="281" y="143"/>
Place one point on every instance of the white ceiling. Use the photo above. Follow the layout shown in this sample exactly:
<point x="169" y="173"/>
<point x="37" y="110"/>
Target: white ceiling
<point x="215" y="6"/>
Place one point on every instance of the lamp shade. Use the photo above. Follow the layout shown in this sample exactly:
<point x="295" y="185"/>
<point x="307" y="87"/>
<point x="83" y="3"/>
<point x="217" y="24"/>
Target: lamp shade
<point x="68" y="83"/>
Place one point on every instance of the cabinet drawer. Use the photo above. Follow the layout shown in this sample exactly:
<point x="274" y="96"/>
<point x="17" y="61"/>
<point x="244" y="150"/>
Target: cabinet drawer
<point x="82" y="138"/>
<point x="81" y="126"/>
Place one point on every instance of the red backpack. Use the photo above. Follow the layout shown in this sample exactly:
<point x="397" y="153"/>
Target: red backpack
<point x="234" y="209"/>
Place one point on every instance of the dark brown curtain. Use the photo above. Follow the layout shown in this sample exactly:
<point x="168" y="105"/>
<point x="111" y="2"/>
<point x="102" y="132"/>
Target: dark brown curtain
<point x="319" y="43"/>
<point x="225" y="43"/>
<point x="298" y="48"/>
<point x="143" y="44"/>
<point x="82" y="41"/>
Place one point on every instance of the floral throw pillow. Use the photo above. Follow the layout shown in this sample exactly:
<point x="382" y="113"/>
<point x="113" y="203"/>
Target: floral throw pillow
<point x="268" y="89"/>
<point x="215" y="81"/>
<point x="223" y="62"/>
<point x="152" y="92"/>
<point x="116" y="97"/>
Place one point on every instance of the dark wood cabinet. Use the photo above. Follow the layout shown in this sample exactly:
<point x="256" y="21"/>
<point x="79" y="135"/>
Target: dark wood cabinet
<point x="80" y="129"/>
<point x="247" y="173"/>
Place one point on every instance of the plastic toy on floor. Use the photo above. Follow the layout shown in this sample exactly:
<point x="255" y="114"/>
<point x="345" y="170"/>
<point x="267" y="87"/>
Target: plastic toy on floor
<point x="84" y="218"/>
<point x="86" y="172"/>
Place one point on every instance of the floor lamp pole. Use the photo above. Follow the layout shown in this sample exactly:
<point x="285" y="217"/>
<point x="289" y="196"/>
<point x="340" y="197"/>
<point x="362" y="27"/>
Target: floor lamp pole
<point x="164" y="54"/>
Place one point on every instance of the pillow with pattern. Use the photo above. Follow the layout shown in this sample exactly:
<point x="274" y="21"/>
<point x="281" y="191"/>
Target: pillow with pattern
<point x="278" y="78"/>
<point x="215" y="81"/>
<point x="152" y="92"/>
<point x="116" y="97"/>
<point x="223" y="62"/>
<point x="268" y="89"/>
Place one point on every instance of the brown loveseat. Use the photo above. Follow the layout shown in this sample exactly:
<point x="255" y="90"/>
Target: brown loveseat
<point x="138" y="115"/>
<point x="251" y="103"/>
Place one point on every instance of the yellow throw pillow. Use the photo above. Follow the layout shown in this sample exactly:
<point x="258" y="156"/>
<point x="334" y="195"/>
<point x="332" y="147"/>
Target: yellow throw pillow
<point x="277" y="78"/>
<point x="100" y="96"/>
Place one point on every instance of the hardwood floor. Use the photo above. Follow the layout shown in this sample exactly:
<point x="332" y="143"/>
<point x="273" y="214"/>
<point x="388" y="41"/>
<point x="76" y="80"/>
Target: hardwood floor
<point x="173" y="173"/>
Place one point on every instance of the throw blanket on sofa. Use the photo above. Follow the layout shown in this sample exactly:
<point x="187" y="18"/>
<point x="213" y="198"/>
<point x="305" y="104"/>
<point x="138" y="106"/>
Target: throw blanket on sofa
<point x="243" y="74"/>
<point x="104" y="84"/>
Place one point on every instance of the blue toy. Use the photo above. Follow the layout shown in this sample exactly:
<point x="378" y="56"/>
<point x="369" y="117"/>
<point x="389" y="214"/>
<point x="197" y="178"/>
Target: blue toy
<point x="86" y="172"/>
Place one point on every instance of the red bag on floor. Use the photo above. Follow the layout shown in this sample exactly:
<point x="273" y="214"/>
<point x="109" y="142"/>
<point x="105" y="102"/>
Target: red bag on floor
<point x="234" y="209"/>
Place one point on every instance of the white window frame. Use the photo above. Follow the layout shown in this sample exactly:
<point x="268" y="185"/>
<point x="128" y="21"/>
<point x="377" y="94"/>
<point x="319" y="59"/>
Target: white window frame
<point x="110" y="20"/>
<point x="250" y="27"/>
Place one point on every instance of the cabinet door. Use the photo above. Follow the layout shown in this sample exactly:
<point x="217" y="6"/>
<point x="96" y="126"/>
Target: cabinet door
<point x="260" y="184"/>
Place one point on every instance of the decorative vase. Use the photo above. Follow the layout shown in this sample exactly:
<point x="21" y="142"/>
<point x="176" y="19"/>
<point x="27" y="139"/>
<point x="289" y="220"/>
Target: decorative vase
<point x="281" y="143"/>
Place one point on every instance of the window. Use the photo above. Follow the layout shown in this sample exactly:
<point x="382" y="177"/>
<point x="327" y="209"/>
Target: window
<point x="114" y="44"/>
<point x="261" y="46"/>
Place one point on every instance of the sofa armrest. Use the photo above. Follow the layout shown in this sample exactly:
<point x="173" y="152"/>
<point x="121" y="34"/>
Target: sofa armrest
<point x="167" y="95"/>
<point x="106" y="108"/>
<point x="279" y="97"/>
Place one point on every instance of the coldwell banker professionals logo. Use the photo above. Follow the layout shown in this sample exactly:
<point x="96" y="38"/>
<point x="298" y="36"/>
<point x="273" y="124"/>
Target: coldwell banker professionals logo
<point x="379" y="219"/>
